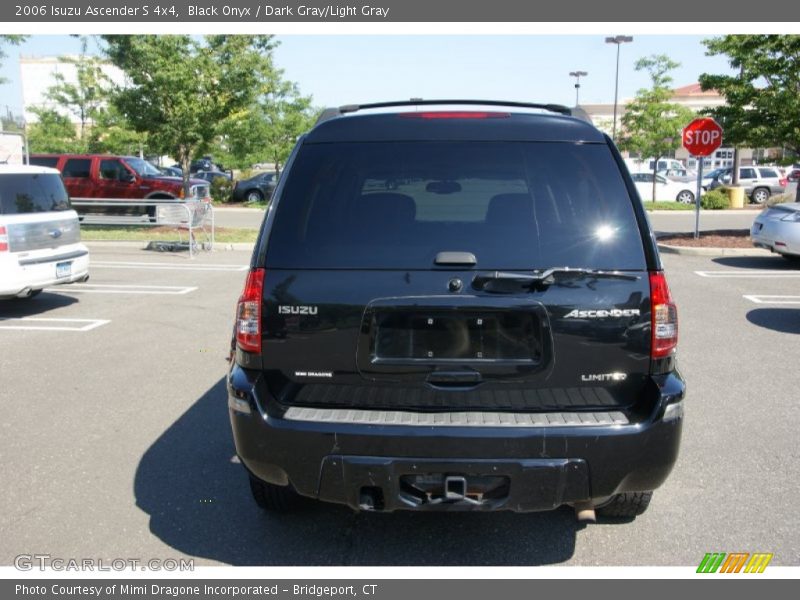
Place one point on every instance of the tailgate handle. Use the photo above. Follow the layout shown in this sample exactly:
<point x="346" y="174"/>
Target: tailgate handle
<point x="454" y="378"/>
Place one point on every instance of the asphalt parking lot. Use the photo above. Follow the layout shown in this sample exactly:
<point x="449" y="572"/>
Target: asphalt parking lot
<point x="116" y="444"/>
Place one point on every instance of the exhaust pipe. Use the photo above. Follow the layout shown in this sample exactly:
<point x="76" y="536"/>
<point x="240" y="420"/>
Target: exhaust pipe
<point x="584" y="512"/>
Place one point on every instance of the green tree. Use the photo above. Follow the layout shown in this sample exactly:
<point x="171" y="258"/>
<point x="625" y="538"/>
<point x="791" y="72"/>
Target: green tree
<point x="762" y="101"/>
<point x="85" y="97"/>
<point x="14" y="40"/>
<point x="267" y="131"/>
<point x="179" y="89"/>
<point x="53" y="132"/>
<point x="652" y="124"/>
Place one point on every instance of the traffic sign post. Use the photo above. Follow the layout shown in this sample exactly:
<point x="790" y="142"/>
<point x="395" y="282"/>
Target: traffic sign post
<point x="701" y="137"/>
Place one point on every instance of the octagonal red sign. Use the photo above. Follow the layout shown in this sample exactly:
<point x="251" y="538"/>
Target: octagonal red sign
<point x="702" y="136"/>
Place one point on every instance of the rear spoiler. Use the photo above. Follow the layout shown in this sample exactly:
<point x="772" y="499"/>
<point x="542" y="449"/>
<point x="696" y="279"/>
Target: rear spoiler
<point x="331" y="113"/>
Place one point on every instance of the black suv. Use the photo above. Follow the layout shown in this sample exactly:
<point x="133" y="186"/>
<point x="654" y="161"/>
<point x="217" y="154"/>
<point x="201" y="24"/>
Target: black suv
<point x="456" y="305"/>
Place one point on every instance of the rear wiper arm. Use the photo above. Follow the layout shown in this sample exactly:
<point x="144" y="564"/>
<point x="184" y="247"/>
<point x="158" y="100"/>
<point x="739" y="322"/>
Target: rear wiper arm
<point x="545" y="277"/>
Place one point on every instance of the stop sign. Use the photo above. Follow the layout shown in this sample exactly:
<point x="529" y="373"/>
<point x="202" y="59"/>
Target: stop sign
<point x="702" y="136"/>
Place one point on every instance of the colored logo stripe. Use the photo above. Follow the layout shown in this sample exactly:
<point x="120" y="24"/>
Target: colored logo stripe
<point x="735" y="562"/>
<point x="758" y="562"/>
<point x="711" y="562"/>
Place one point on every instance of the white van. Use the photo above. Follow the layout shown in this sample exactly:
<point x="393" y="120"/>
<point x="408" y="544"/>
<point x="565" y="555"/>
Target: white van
<point x="39" y="233"/>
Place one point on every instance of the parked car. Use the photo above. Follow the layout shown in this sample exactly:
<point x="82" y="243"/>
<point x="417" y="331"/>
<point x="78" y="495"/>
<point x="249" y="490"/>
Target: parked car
<point x="793" y="175"/>
<point x="40" y="239"/>
<point x="777" y="228"/>
<point x="455" y="308"/>
<point x="255" y="189"/>
<point x="210" y="176"/>
<point x="759" y="182"/>
<point x="98" y="177"/>
<point x="708" y="178"/>
<point x="666" y="189"/>
<point x="204" y="164"/>
<point x="681" y="175"/>
<point x="171" y="171"/>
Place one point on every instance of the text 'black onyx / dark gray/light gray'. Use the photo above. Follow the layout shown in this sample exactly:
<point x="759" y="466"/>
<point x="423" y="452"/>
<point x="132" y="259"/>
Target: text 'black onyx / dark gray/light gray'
<point x="456" y="305"/>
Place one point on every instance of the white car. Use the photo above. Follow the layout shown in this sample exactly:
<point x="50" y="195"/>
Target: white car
<point x="39" y="233"/>
<point x="666" y="189"/>
<point x="777" y="228"/>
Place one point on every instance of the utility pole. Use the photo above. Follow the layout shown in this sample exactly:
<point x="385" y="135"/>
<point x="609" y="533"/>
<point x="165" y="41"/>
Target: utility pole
<point x="577" y="75"/>
<point x="618" y="40"/>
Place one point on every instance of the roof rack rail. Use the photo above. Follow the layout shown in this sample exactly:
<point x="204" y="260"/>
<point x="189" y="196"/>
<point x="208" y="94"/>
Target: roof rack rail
<point x="330" y="113"/>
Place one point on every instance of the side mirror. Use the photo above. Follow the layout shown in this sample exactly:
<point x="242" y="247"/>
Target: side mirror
<point x="127" y="177"/>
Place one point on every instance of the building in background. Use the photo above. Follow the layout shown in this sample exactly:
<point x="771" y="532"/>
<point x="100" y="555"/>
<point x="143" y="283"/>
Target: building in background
<point x="38" y="74"/>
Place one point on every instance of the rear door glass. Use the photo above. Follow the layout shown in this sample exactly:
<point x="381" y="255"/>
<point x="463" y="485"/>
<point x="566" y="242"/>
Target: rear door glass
<point x="32" y="193"/>
<point x="77" y="167"/>
<point x="396" y="205"/>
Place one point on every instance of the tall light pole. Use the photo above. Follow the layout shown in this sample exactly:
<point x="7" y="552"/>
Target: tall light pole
<point x="577" y="75"/>
<point x="618" y="40"/>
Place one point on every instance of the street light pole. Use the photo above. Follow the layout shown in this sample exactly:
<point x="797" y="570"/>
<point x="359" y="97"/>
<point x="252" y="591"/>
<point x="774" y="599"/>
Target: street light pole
<point x="577" y="75"/>
<point x="618" y="40"/>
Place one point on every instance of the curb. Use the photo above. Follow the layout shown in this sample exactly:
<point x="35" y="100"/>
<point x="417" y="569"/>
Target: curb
<point x="218" y="246"/>
<point x="690" y="251"/>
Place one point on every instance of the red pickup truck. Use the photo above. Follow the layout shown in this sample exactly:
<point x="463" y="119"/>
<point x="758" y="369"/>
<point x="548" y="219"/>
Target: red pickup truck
<point x="105" y="177"/>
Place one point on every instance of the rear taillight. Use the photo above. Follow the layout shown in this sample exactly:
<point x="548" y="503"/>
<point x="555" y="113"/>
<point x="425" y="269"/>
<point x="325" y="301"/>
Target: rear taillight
<point x="783" y="182"/>
<point x="3" y="239"/>
<point x="248" y="313"/>
<point x="664" y="317"/>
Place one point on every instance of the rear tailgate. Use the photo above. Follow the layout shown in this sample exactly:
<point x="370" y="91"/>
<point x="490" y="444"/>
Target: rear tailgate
<point x="343" y="347"/>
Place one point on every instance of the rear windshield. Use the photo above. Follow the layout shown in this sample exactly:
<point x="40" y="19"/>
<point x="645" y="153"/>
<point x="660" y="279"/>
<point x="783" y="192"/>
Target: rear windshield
<point x="397" y="205"/>
<point x="32" y="193"/>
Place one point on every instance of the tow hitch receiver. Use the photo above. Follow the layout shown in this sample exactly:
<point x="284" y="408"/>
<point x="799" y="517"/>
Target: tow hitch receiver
<point x="429" y="489"/>
<point x="455" y="487"/>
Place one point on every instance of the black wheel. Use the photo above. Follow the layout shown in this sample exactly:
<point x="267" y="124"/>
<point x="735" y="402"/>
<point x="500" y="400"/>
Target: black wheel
<point x="253" y="196"/>
<point x="271" y="497"/>
<point x="151" y="214"/>
<point x="627" y="504"/>
<point x="760" y="195"/>
<point x="685" y="197"/>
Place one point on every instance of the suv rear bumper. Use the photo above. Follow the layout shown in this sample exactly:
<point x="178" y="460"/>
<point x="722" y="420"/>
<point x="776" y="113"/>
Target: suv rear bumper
<point x="525" y="468"/>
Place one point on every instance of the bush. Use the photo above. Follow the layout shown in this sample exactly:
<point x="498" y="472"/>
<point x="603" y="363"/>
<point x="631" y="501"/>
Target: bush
<point x="715" y="200"/>
<point x="779" y="199"/>
<point x="221" y="189"/>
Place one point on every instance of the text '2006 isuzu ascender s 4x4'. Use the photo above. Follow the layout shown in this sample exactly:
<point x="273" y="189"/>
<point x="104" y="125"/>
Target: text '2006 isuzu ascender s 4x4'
<point x="456" y="305"/>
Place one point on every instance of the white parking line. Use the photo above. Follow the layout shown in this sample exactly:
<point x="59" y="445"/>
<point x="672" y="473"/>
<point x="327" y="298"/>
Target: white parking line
<point x="772" y="299"/>
<point x="28" y="323"/>
<point x="755" y="274"/>
<point x="98" y="288"/>
<point x="158" y="266"/>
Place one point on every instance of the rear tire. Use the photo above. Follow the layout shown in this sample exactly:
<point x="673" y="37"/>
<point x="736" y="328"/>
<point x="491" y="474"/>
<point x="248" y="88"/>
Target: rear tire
<point x="253" y="196"/>
<point x="273" y="498"/>
<point x="626" y="505"/>
<point x="685" y="197"/>
<point x="760" y="195"/>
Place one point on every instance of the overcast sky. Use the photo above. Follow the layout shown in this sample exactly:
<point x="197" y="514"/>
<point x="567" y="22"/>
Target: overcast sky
<point x="343" y="69"/>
